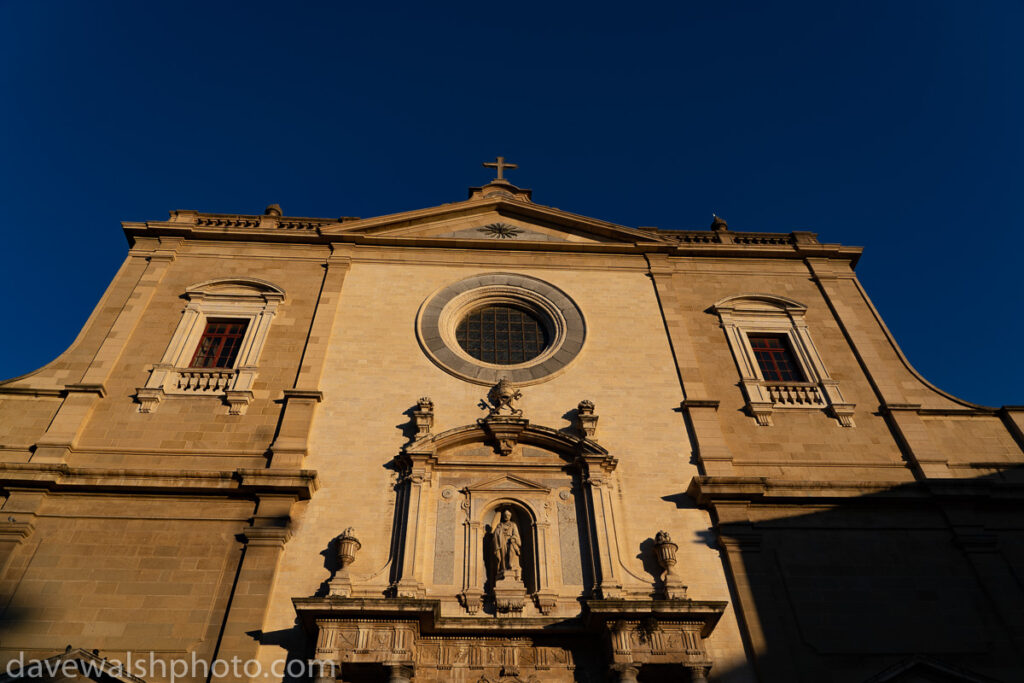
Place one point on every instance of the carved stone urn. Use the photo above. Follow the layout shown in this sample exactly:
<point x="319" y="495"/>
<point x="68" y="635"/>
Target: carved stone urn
<point x="348" y="545"/>
<point x="665" y="550"/>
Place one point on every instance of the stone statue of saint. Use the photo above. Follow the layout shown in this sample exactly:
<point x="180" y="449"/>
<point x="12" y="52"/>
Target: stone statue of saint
<point x="507" y="545"/>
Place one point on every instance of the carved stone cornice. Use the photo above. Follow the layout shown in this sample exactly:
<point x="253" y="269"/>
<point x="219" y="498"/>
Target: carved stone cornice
<point x="703" y="614"/>
<point x="15" y="532"/>
<point x="314" y="395"/>
<point x="699" y="403"/>
<point x="375" y="231"/>
<point x="95" y="388"/>
<point x="716" y="490"/>
<point x="531" y="434"/>
<point x="62" y="477"/>
<point x="271" y="537"/>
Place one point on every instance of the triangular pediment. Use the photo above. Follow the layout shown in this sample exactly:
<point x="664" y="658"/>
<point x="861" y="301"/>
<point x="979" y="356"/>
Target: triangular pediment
<point x="498" y="220"/>
<point x="508" y="483"/>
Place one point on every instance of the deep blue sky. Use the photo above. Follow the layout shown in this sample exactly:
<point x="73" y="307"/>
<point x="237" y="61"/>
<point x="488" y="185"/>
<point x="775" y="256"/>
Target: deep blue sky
<point x="892" y="125"/>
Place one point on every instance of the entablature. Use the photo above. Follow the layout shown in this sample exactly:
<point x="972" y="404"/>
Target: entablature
<point x="399" y="230"/>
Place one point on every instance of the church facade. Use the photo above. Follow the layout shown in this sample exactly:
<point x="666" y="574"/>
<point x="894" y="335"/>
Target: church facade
<point x="494" y="441"/>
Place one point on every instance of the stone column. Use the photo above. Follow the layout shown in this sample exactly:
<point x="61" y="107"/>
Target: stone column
<point x="699" y="673"/>
<point x="627" y="673"/>
<point x="400" y="674"/>
<point x="325" y="671"/>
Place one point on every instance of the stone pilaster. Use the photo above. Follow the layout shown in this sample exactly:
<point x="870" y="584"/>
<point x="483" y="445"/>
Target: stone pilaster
<point x="699" y="409"/>
<point x="915" y="440"/>
<point x="290" y="447"/>
<point x="752" y="575"/>
<point x="1013" y="418"/>
<point x="411" y="583"/>
<point x="880" y="361"/>
<point x="62" y="435"/>
<point x="599" y="497"/>
<point x="995" y="576"/>
<point x="264" y="544"/>
<point x="66" y="426"/>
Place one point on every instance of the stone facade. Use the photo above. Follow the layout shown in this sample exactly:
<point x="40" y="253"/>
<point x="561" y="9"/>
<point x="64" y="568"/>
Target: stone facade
<point x="637" y="503"/>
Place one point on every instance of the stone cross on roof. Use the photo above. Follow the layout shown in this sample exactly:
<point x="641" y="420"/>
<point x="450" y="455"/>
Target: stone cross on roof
<point x="501" y="166"/>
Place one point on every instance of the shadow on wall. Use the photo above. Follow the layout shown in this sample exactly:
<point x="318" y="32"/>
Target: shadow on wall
<point x="920" y="582"/>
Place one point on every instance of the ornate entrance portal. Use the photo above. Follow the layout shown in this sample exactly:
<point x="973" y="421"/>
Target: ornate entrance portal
<point x="507" y="567"/>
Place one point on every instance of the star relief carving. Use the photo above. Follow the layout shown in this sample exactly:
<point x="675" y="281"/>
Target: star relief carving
<point x="501" y="231"/>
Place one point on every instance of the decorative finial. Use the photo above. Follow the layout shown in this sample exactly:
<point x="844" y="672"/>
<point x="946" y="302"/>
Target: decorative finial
<point x="587" y="418"/>
<point x="348" y="545"/>
<point x="272" y="210"/>
<point x="501" y="165"/>
<point x="665" y="552"/>
<point x="423" y="416"/>
<point x="718" y="223"/>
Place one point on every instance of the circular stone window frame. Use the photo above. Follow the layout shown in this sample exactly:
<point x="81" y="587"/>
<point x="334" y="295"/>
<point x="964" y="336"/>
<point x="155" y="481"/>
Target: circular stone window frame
<point x="442" y="311"/>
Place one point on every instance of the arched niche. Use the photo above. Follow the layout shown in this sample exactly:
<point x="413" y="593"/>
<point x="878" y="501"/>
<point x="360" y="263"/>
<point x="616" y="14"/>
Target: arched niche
<point x="526" y="564"/>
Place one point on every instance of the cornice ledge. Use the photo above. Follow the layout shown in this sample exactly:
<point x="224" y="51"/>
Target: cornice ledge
<point x="978" y="410"/>
<point x="311" y="394"/>
<point x="15" y="531"/>
<point x="705" y="489"/>
<point x="992" y="489"/>
<point x="708" y="491"/>
<point x="771" y="251"/>
<point x="303" y="483"/>
<point x="60" y="476"/>
<point x="699" y="403"/>
<point x="705" y="612"/>
<point x="98" y="389"/>
<point x="31" y="391"/>
<point x="312" y="609"/>
<point x="267" y="536"/>
<point x="886" y="408"/>
<point x="502" y="245"/>
<point x="890" y="408"/>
